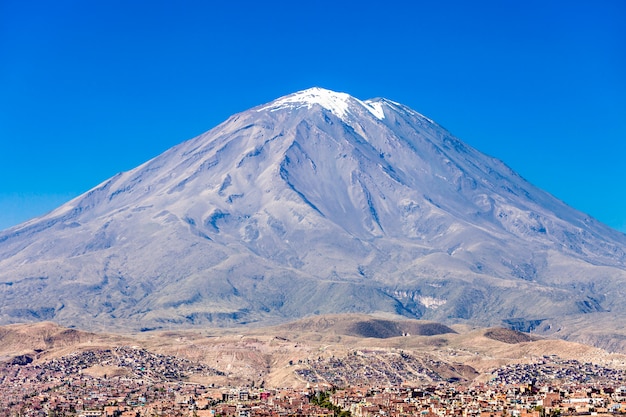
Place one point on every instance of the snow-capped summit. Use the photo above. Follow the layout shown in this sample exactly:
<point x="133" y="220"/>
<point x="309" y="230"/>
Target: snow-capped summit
<point x="338" y="103"/>
<point x="317" y="202"/>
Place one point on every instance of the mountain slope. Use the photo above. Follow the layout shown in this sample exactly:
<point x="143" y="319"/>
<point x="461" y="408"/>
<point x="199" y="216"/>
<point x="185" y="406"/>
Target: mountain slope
<point x="314" y="203"/>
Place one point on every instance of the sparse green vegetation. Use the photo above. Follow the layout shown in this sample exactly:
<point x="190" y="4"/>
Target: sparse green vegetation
<point x="322" y="399"/>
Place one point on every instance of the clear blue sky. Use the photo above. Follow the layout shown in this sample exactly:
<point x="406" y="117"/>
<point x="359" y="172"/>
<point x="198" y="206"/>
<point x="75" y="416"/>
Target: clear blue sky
<point x="92" y="88"/>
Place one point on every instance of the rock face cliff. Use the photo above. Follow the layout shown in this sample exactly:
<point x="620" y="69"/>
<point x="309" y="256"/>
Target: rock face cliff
<point x="315" y="203"/>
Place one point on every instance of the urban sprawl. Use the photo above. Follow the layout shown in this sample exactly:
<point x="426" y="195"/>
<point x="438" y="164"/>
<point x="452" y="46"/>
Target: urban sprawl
<point x="157" y="385"/>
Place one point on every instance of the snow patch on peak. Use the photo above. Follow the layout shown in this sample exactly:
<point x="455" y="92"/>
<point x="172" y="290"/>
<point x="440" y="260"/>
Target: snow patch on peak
<point x="376" y="108"/>
<point x="335" y="102"/>
<point x="396" y="104"/>
<point x="338" y="103"/>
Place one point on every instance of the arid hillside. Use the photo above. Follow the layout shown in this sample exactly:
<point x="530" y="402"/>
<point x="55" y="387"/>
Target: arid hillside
<point x="336" y="350"/>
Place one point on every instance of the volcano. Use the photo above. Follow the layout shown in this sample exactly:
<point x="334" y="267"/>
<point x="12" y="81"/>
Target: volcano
<point x="318" y="203"/>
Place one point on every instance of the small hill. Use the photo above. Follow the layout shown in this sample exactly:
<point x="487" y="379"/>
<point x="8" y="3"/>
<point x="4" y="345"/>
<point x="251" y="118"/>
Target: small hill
<point x="501" y="334"/>
<point x="38" y="337"/>
<point x="23" y="343"/>
<point x="364" y="326"/>
<point x="383" y="329"/>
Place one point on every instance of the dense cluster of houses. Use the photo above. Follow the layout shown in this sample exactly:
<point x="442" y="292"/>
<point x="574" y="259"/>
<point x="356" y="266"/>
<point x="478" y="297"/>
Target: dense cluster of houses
<point x="154" y="385"/>
<point x="483" y="400"/>
<point x="378" y="367"/>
